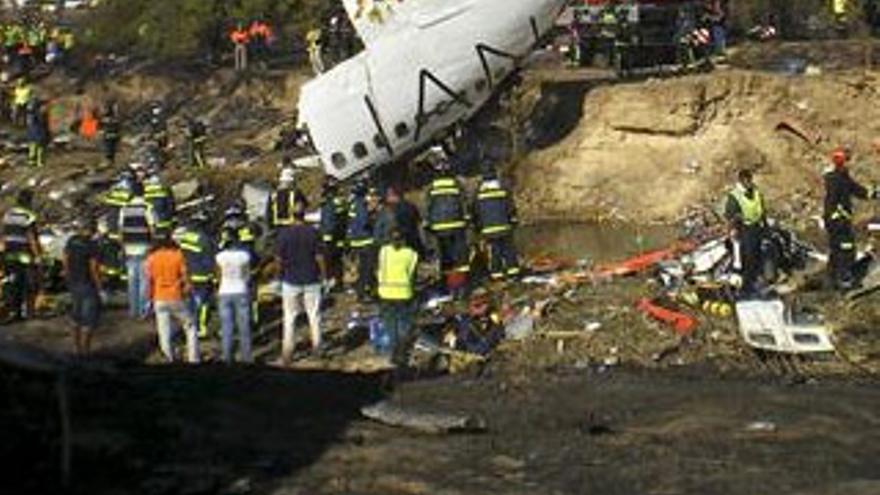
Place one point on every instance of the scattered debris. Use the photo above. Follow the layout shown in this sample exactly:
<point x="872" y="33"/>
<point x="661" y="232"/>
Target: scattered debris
<point x="432" y="423"/>
<point x="761" y="427"/>
<point x="680" y="322"/>
<point x="766" y="325"/>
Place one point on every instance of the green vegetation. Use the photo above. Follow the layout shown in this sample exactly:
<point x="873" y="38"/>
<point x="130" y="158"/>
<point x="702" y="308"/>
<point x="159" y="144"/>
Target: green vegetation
<point x="183" y="28"/>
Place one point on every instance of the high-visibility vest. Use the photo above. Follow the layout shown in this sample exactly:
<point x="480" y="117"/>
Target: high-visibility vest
<point x="18" y="225"/>
<point x="360" y="229"/>
<point x="752" y="209"/>
<point x="134" y="222"/>
<point x="21" y="95"/>
<point x="197" y="251"/>
<point x="445" y="209"/>
<point x="397" y="266"/>
<point x="162" y="203"/>
<point x="283" y="207"/>
<point x="493" y="210"/>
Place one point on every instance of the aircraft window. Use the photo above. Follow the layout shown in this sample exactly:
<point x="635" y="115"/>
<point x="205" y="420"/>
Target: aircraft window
<point x="379" y="141"/>
<point x="338" y="160"/>
<point x="481" y="85"/>
<point x="360" y="151"/>
<point x="401" y="130"/>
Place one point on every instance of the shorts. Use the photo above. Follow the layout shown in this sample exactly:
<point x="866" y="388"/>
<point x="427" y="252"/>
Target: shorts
<point x="86" y="308"/>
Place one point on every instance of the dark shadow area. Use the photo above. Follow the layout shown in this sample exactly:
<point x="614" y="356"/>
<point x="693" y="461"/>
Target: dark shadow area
<point x="557" y="113"/>
<point x="164" y="430"/>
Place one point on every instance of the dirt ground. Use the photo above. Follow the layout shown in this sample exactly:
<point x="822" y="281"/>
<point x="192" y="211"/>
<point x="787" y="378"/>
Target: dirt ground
<point x="688" y="136"/>
<point x="598" y="400"/>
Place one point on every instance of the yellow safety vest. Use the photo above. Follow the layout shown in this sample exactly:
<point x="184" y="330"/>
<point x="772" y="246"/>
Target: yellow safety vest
<point x="396" y="269"/>
<point x="752" y="209"/>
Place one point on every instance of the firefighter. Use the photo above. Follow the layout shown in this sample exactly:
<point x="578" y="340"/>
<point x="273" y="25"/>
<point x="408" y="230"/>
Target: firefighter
<point x="447" y="221"/>
<point x="332" y="228"/>
<point x="494" y="221"/>
<point x="199" y="250"/>
<point x="281" y="204"/>
<point x="196" y="137"/>
<point x="113" y="201"/>
<point x="746" y="214"/>
<point x="158" y="125"/>
<point x="111" y="130"/>
<point x="161" y="201"/>
<point x="111" y="259"/>
<point x="37" y="133"/>
<point x="22" y="252"/>
<point x="360" y="240"/>
<point x="840" y="189"/>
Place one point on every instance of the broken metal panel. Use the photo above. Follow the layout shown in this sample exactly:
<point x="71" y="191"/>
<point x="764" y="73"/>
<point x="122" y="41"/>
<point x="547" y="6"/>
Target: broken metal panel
<point x="765" y="325"/>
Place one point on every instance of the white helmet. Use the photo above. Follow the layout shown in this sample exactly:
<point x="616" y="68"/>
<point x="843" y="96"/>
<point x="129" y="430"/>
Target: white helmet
<point x="288" y="176"/>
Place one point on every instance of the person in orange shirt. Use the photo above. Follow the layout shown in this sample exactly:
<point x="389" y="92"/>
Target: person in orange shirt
<point x="240" y="38"/>
<point x="167" y="282"/>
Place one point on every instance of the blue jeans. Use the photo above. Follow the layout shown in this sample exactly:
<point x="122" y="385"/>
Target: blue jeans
<point x="235" y="308"/>
<point x="137" y="286"/>
<point x="397" y="317"/>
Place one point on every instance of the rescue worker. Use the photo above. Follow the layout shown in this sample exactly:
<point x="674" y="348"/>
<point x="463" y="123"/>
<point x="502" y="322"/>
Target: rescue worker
<point x="37" y="133"/>
<point x="196" y="137"/>
<point x="110" y="132"/>
<point x="158" y="125"/>
<point x="316" y="56"/>
<point x="396" y="279"/>
<point x="447" y="221"/>
<point x="136" y="233"/>
<point x="361" y="242"/>
<point x="22" y="252"/>
<point x="161" y="202"/>
<point x="199" y="251"/>
<point x="116" y="198"/>
<point x="240" y="38"/>
<point x="840" y="189"/>
<point x="111" y="259"/>
<point x="746" y="215"/>
<point x="282" y="203"/>
<point x="22" y="94"/>
<point x="332" y="229"/>
<point x="494" y="221"/>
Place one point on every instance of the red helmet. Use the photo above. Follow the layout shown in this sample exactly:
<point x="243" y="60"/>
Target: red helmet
<point x="839" y="158"/>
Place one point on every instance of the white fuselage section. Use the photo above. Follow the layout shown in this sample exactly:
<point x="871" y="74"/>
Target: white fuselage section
<point x="428" y="65"/>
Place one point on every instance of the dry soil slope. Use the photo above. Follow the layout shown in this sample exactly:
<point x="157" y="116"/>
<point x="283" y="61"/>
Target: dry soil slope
<point x="648" y="151"/>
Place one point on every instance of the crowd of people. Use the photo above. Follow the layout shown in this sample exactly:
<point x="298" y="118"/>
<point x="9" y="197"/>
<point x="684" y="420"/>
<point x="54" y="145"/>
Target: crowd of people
<point x="180" y="271"/>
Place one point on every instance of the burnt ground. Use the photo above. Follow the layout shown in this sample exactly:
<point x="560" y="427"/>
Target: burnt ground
<point x="250" y="430"/>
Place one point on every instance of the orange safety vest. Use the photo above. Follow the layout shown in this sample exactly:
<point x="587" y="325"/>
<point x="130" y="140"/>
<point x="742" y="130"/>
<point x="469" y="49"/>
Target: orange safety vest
<point x="239" y="36"/>
<point x="88" y="127"/>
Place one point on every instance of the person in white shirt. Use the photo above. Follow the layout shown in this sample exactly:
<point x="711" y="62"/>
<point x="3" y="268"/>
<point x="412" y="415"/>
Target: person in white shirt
<point x="234" y="304"/>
